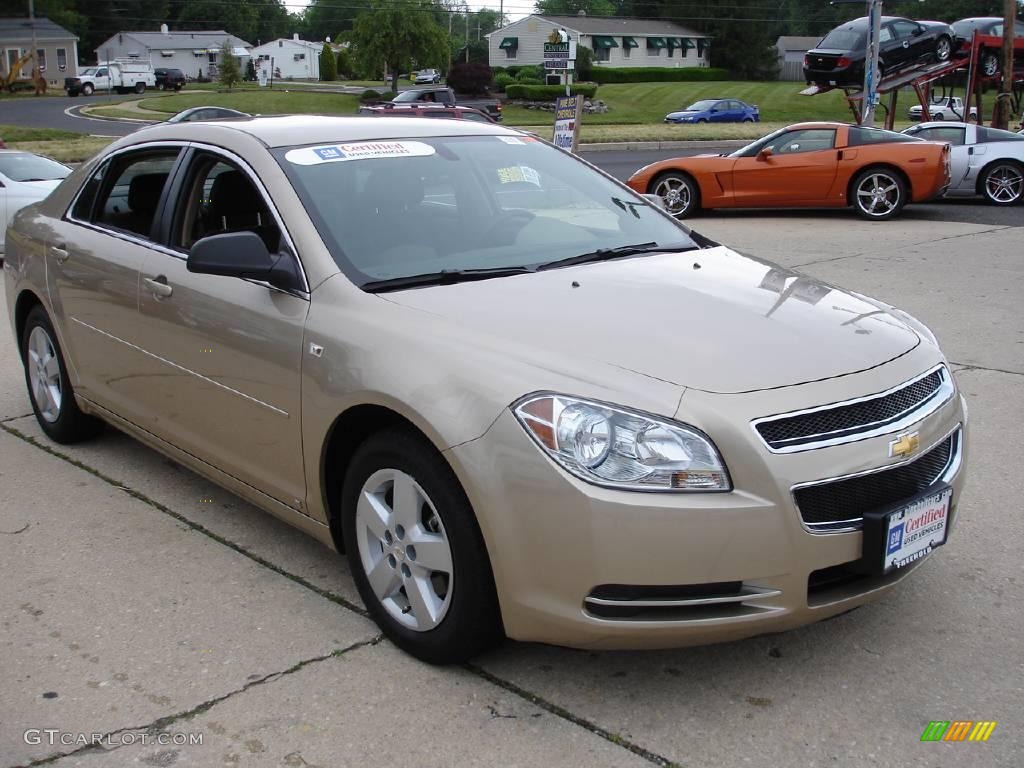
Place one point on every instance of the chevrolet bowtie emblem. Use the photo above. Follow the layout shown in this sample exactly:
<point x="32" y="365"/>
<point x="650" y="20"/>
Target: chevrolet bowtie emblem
<point x="904" y="445"/>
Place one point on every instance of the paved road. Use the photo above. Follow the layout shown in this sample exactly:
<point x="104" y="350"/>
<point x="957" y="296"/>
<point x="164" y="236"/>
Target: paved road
<point x="138" y="599"/>
<point x="49" y="112"/>
<point x="623" y="164"/>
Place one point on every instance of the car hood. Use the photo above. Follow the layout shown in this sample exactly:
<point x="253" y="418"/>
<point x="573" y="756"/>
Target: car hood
<point x="687" y="113"/>
<point x="712" y="319"/>
<point x="38" y="188"/>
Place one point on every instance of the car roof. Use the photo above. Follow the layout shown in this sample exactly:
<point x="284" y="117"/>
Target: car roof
<point x="291" y="130"/>
<point x="942" y="124"/>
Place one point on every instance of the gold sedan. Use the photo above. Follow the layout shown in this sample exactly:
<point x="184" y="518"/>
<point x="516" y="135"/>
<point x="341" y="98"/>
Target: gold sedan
<point x="523" y="399"/>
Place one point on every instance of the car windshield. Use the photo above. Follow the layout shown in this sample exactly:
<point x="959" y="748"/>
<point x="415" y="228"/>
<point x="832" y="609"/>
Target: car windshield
<point x="701" y="106"/>
<point x="843" y="40"/>
<point x="397" y="208"/>
<point x="22" y="166"/>
<point x="407" y="96"/>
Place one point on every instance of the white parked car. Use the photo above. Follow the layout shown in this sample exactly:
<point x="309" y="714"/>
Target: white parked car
<point x="949" y="108"/>
<point x="427" y="76"/>
<point x="24" y="179"/>
<point x="983" y="161"/>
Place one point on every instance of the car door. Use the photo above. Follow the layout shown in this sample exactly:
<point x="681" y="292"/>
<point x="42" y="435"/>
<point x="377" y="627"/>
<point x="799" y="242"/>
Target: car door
<point x="891" y="53"/>
<point x="93" y="260"/>
<point x="719" y="112"/>
<point x="913" y="43"/>
<point x="230" y="349"/>
<point x="801" y="169"/>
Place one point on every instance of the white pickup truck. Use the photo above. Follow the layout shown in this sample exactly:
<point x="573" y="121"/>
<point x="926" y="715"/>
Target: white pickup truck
<point x="950" y="108"/>
<point x="120" y="76"/>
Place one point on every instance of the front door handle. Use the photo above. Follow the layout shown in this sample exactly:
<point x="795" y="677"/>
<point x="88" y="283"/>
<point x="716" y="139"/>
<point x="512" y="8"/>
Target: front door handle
<point x="158" y="285"/>
<point x="60" y="253"/>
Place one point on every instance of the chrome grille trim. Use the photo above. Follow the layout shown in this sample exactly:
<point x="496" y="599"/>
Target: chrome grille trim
<point x="945" y="475"/>
<point x="899" y="421"/>
<point x="746" y="593"/>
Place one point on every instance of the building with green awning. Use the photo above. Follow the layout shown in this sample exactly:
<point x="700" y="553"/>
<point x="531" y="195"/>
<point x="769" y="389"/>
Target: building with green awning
<point x="616" y="42"/>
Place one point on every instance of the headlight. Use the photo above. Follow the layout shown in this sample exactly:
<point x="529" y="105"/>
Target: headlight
<point x="618" y="448"/>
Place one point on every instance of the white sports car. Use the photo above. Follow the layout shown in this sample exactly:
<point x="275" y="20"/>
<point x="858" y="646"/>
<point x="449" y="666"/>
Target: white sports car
<point x="984" y="161"/>
<point x="24" y="179"/>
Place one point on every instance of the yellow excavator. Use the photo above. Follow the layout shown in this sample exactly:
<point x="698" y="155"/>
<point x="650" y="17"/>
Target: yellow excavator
<point x="13" y="76"/>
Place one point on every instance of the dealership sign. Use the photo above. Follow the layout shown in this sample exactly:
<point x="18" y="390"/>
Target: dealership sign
<point x="560" y="56"/>
<point x="567" y="122"/>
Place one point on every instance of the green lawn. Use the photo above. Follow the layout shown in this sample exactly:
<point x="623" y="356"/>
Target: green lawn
<point x="11" y="133"/>
<point x="264" y="102"/>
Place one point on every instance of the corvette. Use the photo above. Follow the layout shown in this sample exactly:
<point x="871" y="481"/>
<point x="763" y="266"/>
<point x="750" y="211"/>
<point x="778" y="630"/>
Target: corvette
<point x="807" y="165"/>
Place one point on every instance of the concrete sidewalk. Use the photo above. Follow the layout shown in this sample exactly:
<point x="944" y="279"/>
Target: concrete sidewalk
<point x="137" y="599"/>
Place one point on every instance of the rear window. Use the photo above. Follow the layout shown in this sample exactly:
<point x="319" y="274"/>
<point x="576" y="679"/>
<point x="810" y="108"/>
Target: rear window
<point x="843" y="40"/>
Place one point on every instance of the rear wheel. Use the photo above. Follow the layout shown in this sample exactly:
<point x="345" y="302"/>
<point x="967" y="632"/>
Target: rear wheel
<point x="678" y="193"/>
<point x="878" y="194"/>
<point x="943" y="48"/>
<point x="415" y="550"/>
<point x="53" y="399"/>
<point x="1002" y="183"/>
<point x="140" y="87"/>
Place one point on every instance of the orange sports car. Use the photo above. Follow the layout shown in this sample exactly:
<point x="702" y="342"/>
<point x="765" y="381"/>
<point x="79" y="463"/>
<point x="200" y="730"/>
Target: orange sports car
<point x="808" y="165"/>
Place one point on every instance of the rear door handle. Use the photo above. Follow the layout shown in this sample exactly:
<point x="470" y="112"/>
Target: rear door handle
<point x="158" y="285"/>
<point x="60" y="253"/>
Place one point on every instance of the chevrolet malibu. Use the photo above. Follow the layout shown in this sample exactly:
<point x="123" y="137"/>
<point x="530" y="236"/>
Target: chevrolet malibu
<point x="577" y="422"/>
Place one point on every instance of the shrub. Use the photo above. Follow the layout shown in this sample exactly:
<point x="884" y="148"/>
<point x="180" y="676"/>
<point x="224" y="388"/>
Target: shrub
<point x="343" y="64"/>
<point x="469" y="78"/>
<point x="328" y="64"/>
<point x="371" y="95"/>
<point x="584" y="62"/>
<point x="657" y="74"/>
<point x="502" y="80"/>
<point x="547" y="92"/>
<point x="530" y="73"/>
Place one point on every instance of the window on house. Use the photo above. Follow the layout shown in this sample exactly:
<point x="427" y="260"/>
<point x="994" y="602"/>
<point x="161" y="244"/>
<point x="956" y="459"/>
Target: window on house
<point x="626" y="52"/>
<point x="602" y="54"/>
<point x="41" y="58"/>
<point x="280" y="43"/>
<point x="62" y="59"/>
<point x="511" y="53"/>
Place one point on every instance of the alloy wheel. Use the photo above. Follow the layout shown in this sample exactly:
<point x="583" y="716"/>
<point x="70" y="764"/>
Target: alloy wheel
<point x="404" y="549"/>
<point x="1004" y="184"/>
<point x="943" y="49"/>
<point x="44" y="374"/>
<point x="878" y="194"/>
<point x="675" y="193"/>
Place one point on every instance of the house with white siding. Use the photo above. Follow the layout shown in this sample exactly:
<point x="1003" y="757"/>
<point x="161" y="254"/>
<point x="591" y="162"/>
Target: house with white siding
<point x="293" y="59"/>
<point x="194" y="53"/>
<point x="615" y="42"/>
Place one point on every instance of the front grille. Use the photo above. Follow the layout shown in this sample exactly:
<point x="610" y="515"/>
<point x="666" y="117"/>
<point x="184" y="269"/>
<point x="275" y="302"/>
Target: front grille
<point x="849" y="420"/>
<point x="843" y="501"/>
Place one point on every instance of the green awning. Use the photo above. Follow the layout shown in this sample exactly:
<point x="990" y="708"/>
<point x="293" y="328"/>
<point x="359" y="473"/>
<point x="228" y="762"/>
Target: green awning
<point x="601" y="41"/>
<point x="629" y="42"/>
<point x="509" y="42"/>
<point x="656" y="42"/>
<point x="674" y="42"/>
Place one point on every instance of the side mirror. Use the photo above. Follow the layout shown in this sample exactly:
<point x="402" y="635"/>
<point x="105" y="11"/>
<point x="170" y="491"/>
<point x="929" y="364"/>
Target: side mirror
<point x="243" y="255"/>
<point x="655" y="200"/>
<point x="765" y="154"/>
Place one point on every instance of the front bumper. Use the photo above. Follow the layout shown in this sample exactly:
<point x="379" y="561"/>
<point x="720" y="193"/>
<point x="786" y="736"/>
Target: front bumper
<point x="565" y="552"/>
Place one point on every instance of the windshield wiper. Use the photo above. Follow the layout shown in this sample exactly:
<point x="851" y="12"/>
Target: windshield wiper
<point x="604" y="254"/>
<point x="444" y="277"/>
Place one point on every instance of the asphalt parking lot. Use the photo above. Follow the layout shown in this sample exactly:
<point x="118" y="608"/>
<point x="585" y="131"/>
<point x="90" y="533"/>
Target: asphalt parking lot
<point x="140" y="600"/>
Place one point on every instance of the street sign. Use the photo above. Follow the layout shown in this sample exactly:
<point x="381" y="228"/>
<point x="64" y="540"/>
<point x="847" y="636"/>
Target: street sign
<point x="567" y="122"/>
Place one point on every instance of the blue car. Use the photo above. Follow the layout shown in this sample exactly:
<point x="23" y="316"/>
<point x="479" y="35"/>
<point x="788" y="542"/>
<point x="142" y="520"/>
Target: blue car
<point x="716" y="111"/>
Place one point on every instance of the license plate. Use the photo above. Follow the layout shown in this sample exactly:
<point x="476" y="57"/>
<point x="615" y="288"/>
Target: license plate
<point x="914" y="530"/>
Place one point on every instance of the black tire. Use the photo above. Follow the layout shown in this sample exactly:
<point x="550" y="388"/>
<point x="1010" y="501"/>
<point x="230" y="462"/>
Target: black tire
<point x="686" y="201"/>
<point x="937" y="117"/>
<point x="943" y="48"/>
<point x="87" y="89"/>
<point x="989" y="64"/>
<point x="748" y="119"/>
<point x="70" y="424"/>
<point x="1002" y="183"/>
<point x="886" y="182"/>
<point x="472" y="622"/>
<point x="161" y="86"/>
<point x="701" y="120"/>
<point x="140" y="87"/>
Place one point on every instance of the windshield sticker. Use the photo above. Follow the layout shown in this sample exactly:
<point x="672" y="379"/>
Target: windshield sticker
<point x="518" y="174"/>
<point x="361" y="150"/>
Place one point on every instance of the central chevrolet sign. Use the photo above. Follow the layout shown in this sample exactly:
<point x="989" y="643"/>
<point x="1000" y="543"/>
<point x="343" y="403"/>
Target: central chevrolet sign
<point x="560" y="55"/>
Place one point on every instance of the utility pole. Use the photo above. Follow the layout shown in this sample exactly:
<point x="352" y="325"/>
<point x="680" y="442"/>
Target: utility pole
<point x="32" y="23"/>
<point x="1004" y="101"/>
<point x="467" y="34"/>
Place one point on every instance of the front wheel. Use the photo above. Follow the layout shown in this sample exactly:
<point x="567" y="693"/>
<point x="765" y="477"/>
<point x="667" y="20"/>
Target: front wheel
<point x="748" y="119"/>
<point x="989" y="64"/>
<point x="53" y="399"/>
<point x="879" y="194"/>
<point x="1003" y="183"/>
<point x="701" y="120"/>
<point x="87" y="89"/>
<point x="678" y="193"/>
<point x="943" y="48"/>
<point x="415" y="550"/>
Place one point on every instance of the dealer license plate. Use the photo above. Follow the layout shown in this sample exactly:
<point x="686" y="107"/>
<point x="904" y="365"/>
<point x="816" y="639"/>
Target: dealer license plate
<point x="916" y="529"/>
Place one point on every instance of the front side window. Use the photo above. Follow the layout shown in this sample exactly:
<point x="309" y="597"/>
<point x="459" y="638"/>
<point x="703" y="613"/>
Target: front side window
<point x="220" y="197"/>
<point x="791" y="142"/>
<point x="398" y="208"/>
<point x="905" y="29"/>
<point x="132" y="187"/>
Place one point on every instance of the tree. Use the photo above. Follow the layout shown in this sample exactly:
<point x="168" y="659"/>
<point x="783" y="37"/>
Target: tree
<point x="573" y="7"/>
<point x="395" y="33"/>
<point x="329" y="17"/>
<point x="328" y="66"/>
<point x="344" y="64"/>
<point x="228" y="70"/>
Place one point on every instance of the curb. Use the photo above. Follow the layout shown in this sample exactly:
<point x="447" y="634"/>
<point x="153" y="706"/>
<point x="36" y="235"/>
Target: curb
<point x="641" y="146"/>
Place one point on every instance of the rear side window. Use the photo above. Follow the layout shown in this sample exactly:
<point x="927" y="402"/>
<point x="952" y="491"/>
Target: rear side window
<point x="860" y="137"/>
<point x="986" y="135"/>
<point x="131" y="191"/>
<point x="951" y="134"/>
